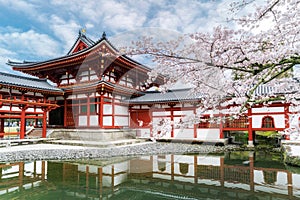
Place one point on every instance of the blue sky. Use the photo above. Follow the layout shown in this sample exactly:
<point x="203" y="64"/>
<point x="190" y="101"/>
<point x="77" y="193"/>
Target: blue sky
<point x="36" y="30"/>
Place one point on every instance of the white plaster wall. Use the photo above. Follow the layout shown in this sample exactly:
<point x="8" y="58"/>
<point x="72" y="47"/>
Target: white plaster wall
<point x="94" y="120"/>
<point x="81" y="96"/>
<point x="121" y="121"/>
<point x="120" y="178"/>
<point x="267" y="109"/>
<point x="82" y="121"/>
<point x="208" y="134"/>
<point x="278" y="121"/>
<point x="121" y="110"/>
<point x="208" y="160"/>
<point x="184" y="159"/>
<point x="107" y="109"/>
<point x="183" y="112"/>
<point x="121" y="167"/>
<point x="107" y="121"/>
<point x="30" y="110"/>
<point x="184" y="133"/>
<point x="165" y="113"/>
<point x="296" y="181"/>
<point x="15" y="109"/>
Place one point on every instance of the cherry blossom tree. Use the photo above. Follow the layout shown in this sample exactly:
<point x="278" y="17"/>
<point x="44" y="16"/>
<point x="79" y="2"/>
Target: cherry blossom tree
<point x="261" y="50"/>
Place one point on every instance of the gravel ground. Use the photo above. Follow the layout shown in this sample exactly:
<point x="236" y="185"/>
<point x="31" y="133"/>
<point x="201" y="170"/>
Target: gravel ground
<point x="64" y="152"/>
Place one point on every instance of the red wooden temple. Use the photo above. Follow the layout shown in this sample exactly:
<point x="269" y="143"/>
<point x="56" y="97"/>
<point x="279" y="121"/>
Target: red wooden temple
<point x="97" y="87"/>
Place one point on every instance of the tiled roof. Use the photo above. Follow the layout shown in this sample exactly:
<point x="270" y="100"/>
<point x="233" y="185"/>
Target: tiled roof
<point x="26" y="64"/>
<point x="26" y="82"/>
<point x="169" y="96"/>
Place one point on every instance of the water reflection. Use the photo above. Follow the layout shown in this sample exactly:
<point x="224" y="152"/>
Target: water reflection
<point x="236" y="175"/>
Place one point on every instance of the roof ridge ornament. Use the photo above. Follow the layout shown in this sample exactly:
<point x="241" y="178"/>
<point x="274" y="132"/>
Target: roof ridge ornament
<point x="82" y="31"/>
<point x="103" y="35"/>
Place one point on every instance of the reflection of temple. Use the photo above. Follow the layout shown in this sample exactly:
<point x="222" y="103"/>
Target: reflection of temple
<point x="171" y="176"/>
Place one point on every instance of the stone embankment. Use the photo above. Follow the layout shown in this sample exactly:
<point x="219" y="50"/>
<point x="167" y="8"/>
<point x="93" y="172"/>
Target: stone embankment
<point x="66" y="152"/>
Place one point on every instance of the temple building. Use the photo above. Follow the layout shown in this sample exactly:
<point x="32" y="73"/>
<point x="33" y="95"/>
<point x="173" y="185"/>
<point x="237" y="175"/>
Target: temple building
<point x="96" y="87"/>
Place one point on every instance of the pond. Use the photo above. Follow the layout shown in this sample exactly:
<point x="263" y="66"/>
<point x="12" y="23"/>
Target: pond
<point x="233" y="175"/>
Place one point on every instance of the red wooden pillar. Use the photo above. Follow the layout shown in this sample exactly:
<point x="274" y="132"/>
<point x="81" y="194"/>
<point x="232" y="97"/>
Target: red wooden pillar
<point x="100" y="181"/>
<point x="251" y="165"/>
<point x="101" y="111"/>
<point x="172" y="168"/>
<point x="65" y="111"/>
<point x="44" y="131"/>
<point x="88" y="111"/>
<point x="286" y="116"/>
<point x="43" y="170"/>
<point x="221" y="135"/>
<point x="172" y="121"/>
<point x="2" y="125"/>
<point x="222" y="171"/>
<point x="195" y="169"/>
<point x="195" y="125"/>
<point x="250" y="131"/>
<point x="113" y="111"/>
<point x="290" y="184"/>
<point x="23" y="122"/>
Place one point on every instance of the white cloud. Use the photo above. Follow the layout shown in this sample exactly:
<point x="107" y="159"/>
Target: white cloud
<point x="30" y="43"/>
<point x="66" y="31"/>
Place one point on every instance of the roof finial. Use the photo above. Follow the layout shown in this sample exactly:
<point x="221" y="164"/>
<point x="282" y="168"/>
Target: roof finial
<point x="82" y="31"/>
<point x="103" y="35"/>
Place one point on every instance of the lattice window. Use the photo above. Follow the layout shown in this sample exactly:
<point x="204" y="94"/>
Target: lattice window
<point x="208" y="122"/>
<point x="268" y="122"/>
<point x="241" y="122"/>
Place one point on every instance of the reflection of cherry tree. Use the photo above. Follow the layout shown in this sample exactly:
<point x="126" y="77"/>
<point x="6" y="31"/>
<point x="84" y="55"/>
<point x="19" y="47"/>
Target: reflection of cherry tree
<point x="262" y="49"/>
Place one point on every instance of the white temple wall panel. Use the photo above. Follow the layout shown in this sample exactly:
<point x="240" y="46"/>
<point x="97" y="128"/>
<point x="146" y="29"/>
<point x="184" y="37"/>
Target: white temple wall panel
<point x="121" y="167"/>
<point x="30" y="110"/>
<point x="121" y="121"/>
<point x="107" y="121"/>
<point x="15" y="109"/>
<point x="84" y="78"/>
<point x="296" y="181"/>
<point x="82" y="121"/>
<point x="121" y="110"/>
<point x="183" y="112"/>
<point x="79" y="96"/>
<point x="38" y="110"/>
<point x="208" y="160"/>
<point x="208" y="134"/>
<point x="267" y="109"/>
<point x="94" y="120"/>
<point x="72" y="81"/>
<point x="107" y="109"/>
<point x="279" y="121"/>
<point x="5" y="108"/>
<point x="64" y="82"/>
<point x="184" y="133"/>
<point x="119" y="179"/>
<point x="165" y="113"/>
<point x="184" y="159"/>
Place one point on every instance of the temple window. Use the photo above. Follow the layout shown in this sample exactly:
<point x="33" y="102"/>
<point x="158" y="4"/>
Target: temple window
<point x="241" y="122"/>
<point x="268" y="122"/>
